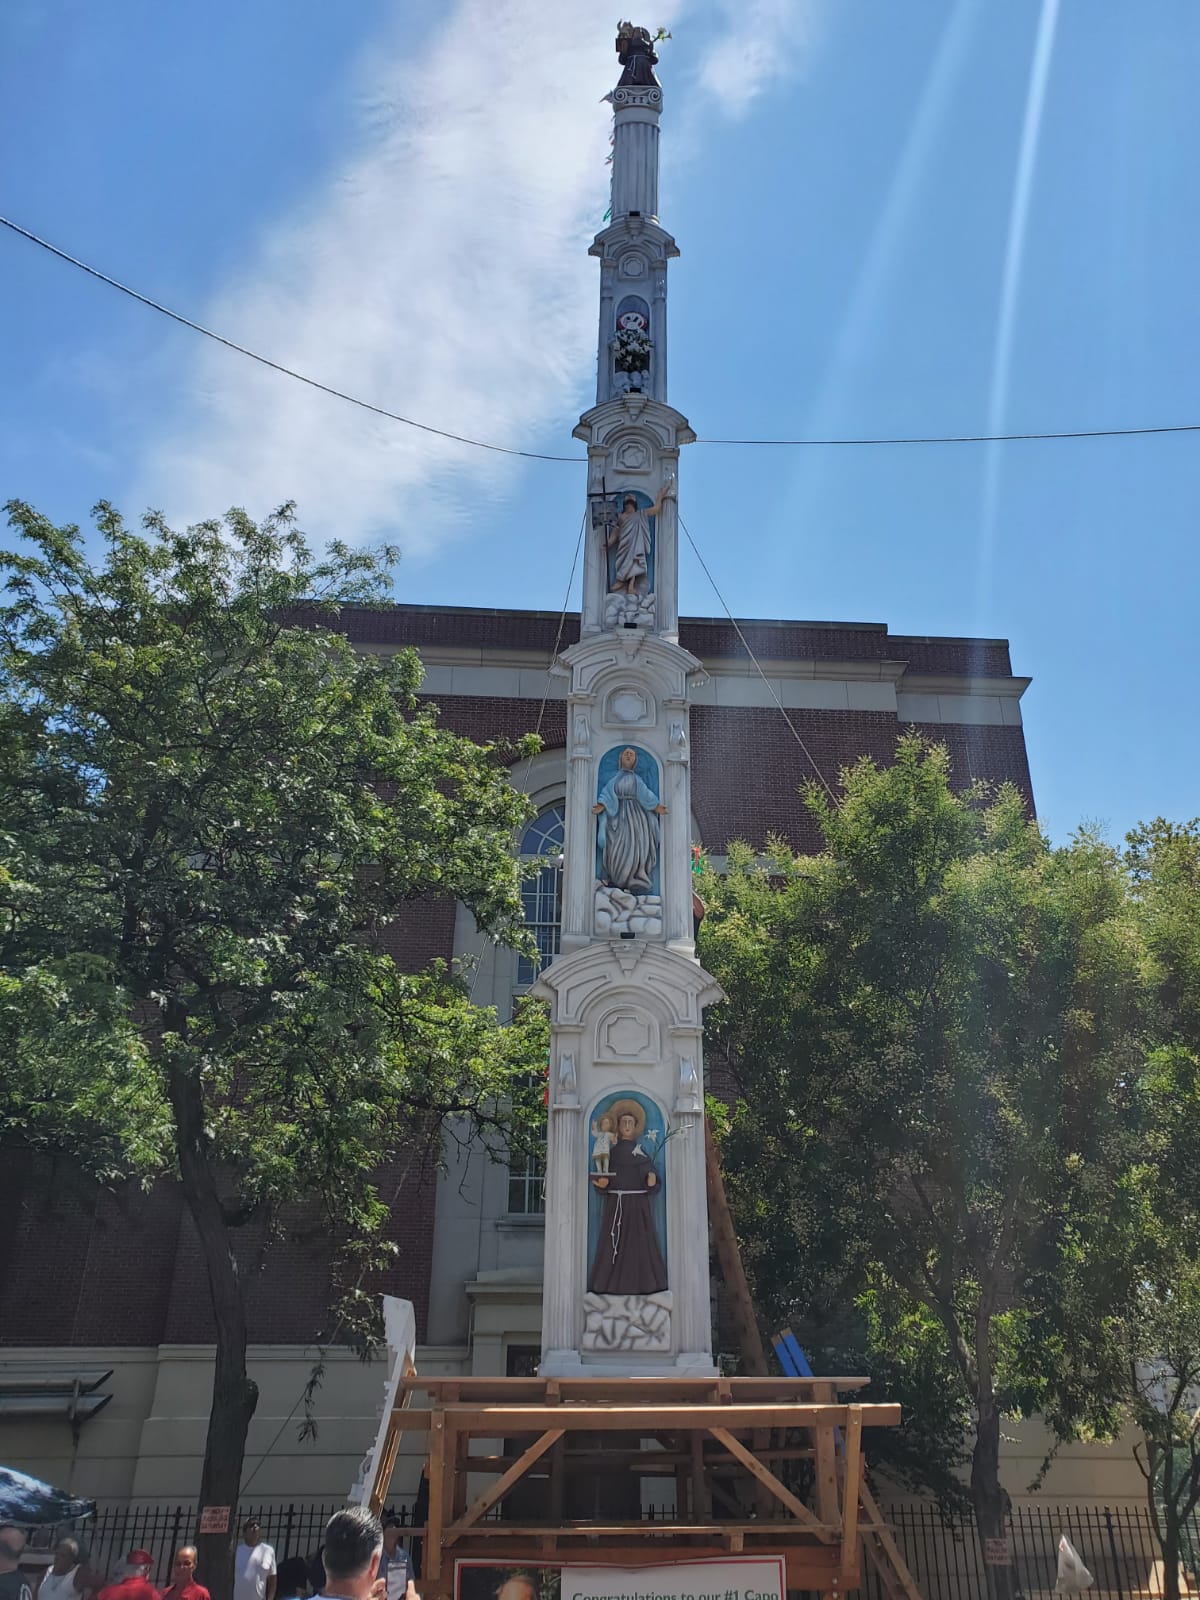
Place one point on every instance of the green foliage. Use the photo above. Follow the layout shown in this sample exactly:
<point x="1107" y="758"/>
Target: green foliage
<point x="214" y="809"/>
<point x="936" y="1026"/>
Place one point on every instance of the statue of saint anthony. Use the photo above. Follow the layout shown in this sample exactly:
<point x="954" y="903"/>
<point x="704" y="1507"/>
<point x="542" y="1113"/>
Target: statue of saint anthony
<point x="628" y="832"/>
<point x="627" y="1258"/>
<point x="636" y="53"/>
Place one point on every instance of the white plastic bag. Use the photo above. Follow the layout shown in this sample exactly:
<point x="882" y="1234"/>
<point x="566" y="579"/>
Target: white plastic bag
<point x="1073" y="1576"/>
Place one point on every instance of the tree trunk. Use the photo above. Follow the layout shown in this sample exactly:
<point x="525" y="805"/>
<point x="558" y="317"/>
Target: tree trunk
<point x="234" y="1396"/>
<point x="1168" y="1519"/>
<point x="991" y="1504"/>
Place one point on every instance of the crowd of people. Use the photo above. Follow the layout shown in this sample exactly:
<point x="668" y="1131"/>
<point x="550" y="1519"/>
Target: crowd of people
<point x="360" y="1559"/>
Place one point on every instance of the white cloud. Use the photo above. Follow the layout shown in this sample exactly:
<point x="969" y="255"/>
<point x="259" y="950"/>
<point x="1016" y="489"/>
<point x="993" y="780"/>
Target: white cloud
<point x="442" y="273"/>
<point x="756" y="44"/>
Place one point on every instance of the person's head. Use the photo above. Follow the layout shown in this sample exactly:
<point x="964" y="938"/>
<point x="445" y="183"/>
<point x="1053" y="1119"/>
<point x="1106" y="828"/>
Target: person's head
<point x="628" y="759"/>
<point x="605" y="1124"/>
<point x="66" y="1556"/>
<point x="292" y="1578"/>
<point x="139" y="1564"/>
<point x="250" y="1531"/>
<point x="12" y="1546"/>
<point x="184" y="1570"/>
<point x="630" y="503"/>
<point x="391" y="1534"/>
<point x="353" y="1542"/>
<point x="517" y="1586"/>
<point x="627" y="1125"/>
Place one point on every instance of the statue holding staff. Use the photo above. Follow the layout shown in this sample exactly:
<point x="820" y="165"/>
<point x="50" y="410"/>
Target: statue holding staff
<point x="630" y="535"/>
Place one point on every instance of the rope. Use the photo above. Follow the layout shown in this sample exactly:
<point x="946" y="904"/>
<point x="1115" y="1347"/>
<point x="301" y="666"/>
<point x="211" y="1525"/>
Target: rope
<point x="746" y="646"/>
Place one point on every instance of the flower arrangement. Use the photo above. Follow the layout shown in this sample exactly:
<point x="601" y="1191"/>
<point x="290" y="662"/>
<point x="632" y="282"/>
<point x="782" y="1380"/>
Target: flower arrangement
<point x="632" y="347"/>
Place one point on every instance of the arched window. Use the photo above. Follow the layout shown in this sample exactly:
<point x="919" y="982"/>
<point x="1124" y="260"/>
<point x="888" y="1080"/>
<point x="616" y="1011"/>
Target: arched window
<point x="542" y="894"/>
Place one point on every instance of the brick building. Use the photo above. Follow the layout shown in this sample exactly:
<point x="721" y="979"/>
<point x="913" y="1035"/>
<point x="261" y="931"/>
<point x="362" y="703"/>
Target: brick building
<point x="90" y="1282"/>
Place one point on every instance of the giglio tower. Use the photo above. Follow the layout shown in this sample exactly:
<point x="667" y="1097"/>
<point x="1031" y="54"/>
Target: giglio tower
<point x="627" y="1265"/>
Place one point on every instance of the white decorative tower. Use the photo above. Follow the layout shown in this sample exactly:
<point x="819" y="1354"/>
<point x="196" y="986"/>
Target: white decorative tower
<point x="626" y="1275"/>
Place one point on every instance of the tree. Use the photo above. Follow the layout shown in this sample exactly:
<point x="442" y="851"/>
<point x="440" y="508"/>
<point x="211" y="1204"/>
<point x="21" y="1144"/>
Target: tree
<point x="933" y="1025"/>
<point x="1131" y="1276"/>
<point x="213" y="809"/>
<point x="1164" y="1358"/>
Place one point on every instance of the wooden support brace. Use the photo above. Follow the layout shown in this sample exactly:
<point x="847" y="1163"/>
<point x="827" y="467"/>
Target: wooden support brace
<point x="768" y="1479"/>
<point x="897" y="1570"/>
<point x="827" y="1495"/>
<point x="432" y="1555"/>
<point x="850" y="1490"/>
<point x="503" y="1421"/>
<point x="502" y="1484"/>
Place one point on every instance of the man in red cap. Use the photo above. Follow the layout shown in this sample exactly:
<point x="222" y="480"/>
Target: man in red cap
<point x="135" y="1585"/>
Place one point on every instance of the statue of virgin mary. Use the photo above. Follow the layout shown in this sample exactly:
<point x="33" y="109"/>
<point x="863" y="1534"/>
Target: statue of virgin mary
<point x="628" y="835"/>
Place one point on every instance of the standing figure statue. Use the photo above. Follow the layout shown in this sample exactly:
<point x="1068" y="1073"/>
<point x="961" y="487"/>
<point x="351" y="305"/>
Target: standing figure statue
<point x="636" y="53"/>
<point x="631" y="536"/>
<point x="627" y="1259"/>
<point x="629" y="829"/>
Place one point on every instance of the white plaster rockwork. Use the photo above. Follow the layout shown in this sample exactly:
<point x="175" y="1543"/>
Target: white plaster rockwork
<point x="627" y="1321"/>
<point x="621" y="911"/>
<point x="629" y="611"/>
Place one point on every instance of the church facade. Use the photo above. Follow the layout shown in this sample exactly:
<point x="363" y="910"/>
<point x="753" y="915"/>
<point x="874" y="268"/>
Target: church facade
<point x="91" y="1285"/>
<point x="660" y="734"/>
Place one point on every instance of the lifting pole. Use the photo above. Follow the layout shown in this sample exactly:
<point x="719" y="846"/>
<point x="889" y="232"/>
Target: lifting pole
<point x="879" y="1543"/>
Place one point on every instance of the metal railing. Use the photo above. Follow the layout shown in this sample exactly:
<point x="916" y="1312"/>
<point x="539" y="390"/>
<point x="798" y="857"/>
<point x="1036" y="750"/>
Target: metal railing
<point x="1117" y="1544"/>
<point x="295" y="1529"/>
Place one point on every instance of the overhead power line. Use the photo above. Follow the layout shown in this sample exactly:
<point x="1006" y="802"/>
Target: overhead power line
<point x="276" y="366"/>
<point x="578" y="460"/>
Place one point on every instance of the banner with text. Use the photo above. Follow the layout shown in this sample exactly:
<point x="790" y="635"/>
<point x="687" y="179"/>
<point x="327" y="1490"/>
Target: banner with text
<point x="738" y="1578"/>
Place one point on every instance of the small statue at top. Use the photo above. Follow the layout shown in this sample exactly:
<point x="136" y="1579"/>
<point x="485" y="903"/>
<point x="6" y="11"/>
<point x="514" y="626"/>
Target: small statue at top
<point x="635" y="50"/>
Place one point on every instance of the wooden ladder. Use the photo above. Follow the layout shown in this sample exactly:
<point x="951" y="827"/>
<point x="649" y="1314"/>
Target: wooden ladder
<point x="880" y="1549"/>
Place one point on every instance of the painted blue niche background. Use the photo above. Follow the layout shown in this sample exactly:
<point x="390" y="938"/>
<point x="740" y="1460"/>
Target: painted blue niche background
<point x="656" y="1129"/>
<point x="647" y="771"/>
<point x="644" y="503"/>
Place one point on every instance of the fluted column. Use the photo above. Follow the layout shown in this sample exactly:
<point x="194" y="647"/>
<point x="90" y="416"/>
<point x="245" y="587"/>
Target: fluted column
<point x="666" y="555"/>
<point x="676" y="857"/>
<point x="578" y="864"/>
<point x="562" y="1277"/>
<point x="690" y="1278"/>
<point x="635" y="152"/>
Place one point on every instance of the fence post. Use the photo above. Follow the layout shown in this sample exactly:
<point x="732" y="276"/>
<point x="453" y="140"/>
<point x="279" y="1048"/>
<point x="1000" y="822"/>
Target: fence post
<point x="1112" y="1545"/>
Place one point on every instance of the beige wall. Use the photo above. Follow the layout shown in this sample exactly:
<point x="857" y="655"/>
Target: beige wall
<point x="147" y="1444"/>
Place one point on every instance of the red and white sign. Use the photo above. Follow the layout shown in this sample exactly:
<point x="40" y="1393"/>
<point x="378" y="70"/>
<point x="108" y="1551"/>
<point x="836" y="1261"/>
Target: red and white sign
<point x="738" y="1578"/>
<point x="215" y="1519"/>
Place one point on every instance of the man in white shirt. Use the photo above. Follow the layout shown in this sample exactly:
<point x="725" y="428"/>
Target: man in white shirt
<point x="253" y="1566"/>
<point x="58" y="1582"/>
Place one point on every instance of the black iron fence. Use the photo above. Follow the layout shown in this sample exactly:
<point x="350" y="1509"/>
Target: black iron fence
<point x="292" y="1530"/>
<point x="1117" y="1545"/>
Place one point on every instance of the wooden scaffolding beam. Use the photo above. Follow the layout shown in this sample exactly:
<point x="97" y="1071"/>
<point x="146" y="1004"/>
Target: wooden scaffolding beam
<point x="709" y="1426"/>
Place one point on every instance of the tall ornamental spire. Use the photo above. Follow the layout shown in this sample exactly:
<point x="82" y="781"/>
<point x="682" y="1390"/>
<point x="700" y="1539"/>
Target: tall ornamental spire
<point x="626" y="1267"/>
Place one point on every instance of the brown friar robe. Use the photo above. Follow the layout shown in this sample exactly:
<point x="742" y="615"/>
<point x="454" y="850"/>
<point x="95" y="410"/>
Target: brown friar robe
<point x="627" y="1259"/>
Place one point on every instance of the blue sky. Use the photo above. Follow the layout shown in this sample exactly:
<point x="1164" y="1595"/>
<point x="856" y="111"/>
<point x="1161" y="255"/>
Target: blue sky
<point x="947" y="216"/>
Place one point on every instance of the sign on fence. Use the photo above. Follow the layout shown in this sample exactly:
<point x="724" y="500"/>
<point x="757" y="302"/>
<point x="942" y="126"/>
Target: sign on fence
<point x="215" y="1519"/>
<point x="997" y="1553"/>
<point x="739" y="1578"/>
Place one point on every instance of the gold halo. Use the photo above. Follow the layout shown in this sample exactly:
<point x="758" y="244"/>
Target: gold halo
<point x="619" y="1108"/>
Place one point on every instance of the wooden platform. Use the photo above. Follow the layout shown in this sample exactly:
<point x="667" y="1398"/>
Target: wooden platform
<point x="511" y="1460"/>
